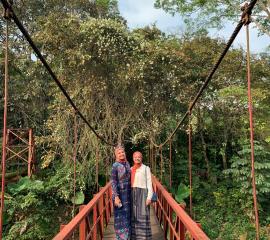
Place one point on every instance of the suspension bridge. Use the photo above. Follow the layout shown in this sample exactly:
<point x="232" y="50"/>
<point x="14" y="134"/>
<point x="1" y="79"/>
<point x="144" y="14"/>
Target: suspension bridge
<point x="169" y="219"/>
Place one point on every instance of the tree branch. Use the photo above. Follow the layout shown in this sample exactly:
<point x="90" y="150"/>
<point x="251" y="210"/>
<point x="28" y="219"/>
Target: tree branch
<point x="260" y="26"/>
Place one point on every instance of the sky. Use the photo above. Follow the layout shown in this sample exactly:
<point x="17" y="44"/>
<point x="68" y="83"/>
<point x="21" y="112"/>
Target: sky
<point x="140" y="13"/>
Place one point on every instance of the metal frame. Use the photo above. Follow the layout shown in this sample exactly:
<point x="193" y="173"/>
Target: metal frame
<point x="20" y="146"/>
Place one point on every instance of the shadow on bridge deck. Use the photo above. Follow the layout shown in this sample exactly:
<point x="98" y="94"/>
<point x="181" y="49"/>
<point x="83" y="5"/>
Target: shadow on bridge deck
<point x="157" y="232"/>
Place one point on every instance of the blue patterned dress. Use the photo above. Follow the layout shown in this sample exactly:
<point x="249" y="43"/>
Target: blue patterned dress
<point x="121" y="187"/>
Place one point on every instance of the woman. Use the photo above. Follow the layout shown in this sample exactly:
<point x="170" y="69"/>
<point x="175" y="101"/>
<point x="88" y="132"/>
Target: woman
<point x="141" y="194"/>
<point x="120" y="178"/>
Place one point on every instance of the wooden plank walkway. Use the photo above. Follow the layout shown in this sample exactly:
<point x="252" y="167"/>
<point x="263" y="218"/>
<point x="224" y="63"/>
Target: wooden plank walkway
<point x="157" y="232"/>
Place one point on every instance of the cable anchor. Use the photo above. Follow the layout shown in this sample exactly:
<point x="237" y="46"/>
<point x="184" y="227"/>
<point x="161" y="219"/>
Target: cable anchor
<point x="246" y="15"/>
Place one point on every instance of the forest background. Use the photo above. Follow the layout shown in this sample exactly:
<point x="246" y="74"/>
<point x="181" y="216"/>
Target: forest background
<point x="132" y="84"/>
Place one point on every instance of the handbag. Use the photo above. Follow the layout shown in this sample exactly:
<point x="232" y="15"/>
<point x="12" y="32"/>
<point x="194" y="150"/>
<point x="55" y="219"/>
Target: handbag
<point x="154" y="195"/>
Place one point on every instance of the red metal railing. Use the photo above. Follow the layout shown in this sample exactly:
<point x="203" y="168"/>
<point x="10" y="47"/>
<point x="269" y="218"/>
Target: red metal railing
<point x="176" y="223"/>
<point x="92" y="218"/>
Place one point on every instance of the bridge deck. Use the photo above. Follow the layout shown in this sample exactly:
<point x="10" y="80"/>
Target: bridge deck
<point x="156" y="229"/>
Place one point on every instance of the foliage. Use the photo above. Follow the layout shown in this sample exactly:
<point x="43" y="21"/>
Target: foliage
<point x="241" y="173"/>
<point x="212" y="13"/>
<point x="27" y="210"/>
<point x="182" y="193"/>
<point x="129" y="85"/>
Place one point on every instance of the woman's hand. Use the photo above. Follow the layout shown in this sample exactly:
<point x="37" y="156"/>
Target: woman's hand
<point x="148" y="202"/>
<point x="117" y="201"/>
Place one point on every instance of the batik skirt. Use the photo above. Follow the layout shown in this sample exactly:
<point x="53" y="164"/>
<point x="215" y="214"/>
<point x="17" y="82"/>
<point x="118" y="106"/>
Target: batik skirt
<point x="140" y="215"/>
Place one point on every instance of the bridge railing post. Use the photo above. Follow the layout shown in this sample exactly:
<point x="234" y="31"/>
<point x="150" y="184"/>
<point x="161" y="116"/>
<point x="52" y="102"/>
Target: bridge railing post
<point x="107" y="207"/>
<point x="94" y="221"/>
<point x="111" y="203"/>
<point x="82" y="228"/>
<point x="171" y="220"/>
<point x="182" y="226"/>
<point x="101" y="214"/>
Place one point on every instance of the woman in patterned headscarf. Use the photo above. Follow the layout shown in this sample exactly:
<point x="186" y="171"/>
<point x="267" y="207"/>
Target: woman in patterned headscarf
<point x="141" y="194"/>
<point x="120" y="178"/>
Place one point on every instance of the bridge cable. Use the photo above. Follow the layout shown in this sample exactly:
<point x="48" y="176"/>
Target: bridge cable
<point x="190" y="162"/>
<point x="74" y="161"/>
<point x="97" y="168"/>
<point x="246" y="21"/>
<point x="237" y="29"/>
<point x="7" y="16"/>
<point x="155" y="159"/>
<point x="8" y="6"/>
<point x="161" y="163"/>
<point x="170" y="163"/>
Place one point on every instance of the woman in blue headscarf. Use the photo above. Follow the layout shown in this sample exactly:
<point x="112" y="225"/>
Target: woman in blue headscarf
<point x="121" y="189"/>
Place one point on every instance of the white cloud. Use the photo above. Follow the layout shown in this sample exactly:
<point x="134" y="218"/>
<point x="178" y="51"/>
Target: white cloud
<point x="140" y="13"/>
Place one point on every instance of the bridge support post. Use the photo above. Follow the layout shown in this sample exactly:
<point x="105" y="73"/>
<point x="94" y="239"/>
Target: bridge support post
<point x="111" y="203"/>
<point x="95" y="221"/>
<point x="101" y="214"/>
<point x="106" y="202"/>
<point x="82" y="230"/>
<point x="182" y="226"/>
<point x="171" y="220"/>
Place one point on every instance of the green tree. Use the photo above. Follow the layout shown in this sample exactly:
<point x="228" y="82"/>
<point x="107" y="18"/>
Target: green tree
<point x="213" y="13"/>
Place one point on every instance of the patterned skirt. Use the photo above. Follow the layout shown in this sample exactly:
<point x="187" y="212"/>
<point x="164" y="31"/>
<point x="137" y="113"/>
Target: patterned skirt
<point x="122" y="215"/>
<point x="140" y="215"/>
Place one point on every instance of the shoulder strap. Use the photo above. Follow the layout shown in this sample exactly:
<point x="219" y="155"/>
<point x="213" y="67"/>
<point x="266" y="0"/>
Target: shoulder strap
<point x="146" y="176"/>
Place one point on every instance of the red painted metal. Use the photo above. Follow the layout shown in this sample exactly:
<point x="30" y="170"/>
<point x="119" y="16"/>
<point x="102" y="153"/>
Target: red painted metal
<point x="20" y="147"/>
<point x="252" y="138"/>
<point x="155" y="159"/>
<point x="94" y="221"/>
<point x="97" y="168"/>
<point x="4" y="149"/>
<point x="82" y="231"/>
<point x="62" y="226"/>
<point x="190" y="162"/>
<point x="74" y="162"/>
<point x="170" y="162"/>
<point x="101" y="213"/>
<point x="84" y="215"/>
<point x="161" y="164"/>
<point x="31" y="163"/>
<point x="182" y="223"/>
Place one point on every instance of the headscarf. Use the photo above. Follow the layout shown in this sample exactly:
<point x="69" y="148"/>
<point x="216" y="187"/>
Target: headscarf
<point x="134" y="168"/>
<point x="116" y="149"/>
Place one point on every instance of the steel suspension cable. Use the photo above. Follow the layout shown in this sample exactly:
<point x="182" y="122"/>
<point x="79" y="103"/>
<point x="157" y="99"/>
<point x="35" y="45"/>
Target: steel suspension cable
<point x="74" y="161"/>
<point x="155" y="160"/>
<point x="161" y="163"/>
<point x="190" y="163"/>
<point x="97" y="168"/>
<point x="247" y="21"/>
<point x="4" y="149"/>
<point x="237" y="29"/>
<point x="170" y="163"/>
<point x="50" y="71"/>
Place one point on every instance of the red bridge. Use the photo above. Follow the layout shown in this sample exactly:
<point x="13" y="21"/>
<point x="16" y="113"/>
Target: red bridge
<point x="94" y="221"/>
<point x="91" y="222"/>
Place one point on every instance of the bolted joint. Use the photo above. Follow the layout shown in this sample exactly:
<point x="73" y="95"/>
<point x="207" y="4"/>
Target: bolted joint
<point x="246" y="15"/>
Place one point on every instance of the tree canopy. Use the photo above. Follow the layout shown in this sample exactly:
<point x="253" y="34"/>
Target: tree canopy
<point x="213" y="13"/>
<point x="132" y="84"/>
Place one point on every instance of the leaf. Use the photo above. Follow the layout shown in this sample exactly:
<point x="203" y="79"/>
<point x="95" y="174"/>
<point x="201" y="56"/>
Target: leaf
<point x="79" y="198"/>
<point x="182" y="193"/>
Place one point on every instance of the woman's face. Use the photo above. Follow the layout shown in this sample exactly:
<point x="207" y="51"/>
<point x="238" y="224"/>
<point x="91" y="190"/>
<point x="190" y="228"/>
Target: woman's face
<point x="137" y="157"/>
<point x="120" y="154"/>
